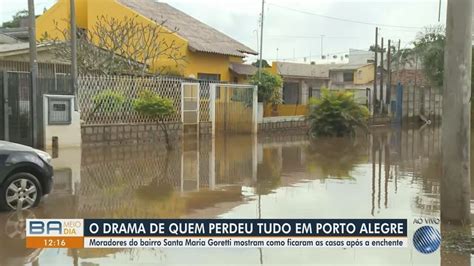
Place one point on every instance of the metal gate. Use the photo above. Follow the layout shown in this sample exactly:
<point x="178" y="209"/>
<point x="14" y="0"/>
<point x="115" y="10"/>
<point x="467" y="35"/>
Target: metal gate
<point x="234" y="108"/>
<point x="190" y="103"/>
<point x="16" y="101"/>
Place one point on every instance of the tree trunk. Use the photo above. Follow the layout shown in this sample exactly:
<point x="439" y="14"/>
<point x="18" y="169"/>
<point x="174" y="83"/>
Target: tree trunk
<point x="163" y="126"/>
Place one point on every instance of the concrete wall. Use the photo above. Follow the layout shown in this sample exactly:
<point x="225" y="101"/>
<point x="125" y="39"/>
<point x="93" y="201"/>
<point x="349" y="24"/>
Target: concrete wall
<point x="97" y="135"/>
<point x="128" y="134"/>
<point x="294" y="125"/>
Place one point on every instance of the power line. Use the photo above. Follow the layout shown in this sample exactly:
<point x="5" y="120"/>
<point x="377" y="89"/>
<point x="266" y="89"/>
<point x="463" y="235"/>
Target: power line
<point x="307" y="56"/>
<point x="343" y="19"/>
<point x="313" y="37"/>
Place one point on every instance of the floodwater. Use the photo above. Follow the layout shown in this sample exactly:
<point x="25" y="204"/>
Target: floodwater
<point x="386" y="174"/>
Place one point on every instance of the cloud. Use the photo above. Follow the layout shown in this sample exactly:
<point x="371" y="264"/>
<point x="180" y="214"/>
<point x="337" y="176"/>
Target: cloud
<point x="296" y="34"/>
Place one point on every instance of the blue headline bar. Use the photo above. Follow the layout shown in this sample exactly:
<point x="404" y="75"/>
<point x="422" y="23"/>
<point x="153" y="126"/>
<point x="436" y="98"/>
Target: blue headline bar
<point x="245" y="227"/>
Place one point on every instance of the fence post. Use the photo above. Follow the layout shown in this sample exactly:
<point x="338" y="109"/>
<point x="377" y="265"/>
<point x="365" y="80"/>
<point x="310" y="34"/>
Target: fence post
<point x="212" y="108"/>
<point x="399" y="103"/>
<point x="5" y="106"/>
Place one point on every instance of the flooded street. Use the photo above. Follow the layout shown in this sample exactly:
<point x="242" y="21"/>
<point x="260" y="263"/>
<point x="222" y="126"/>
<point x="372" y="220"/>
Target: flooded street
<point x="389" y="174"/>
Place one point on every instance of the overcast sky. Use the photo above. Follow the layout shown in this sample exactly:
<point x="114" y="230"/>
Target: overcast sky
<point x="293" y="27"/>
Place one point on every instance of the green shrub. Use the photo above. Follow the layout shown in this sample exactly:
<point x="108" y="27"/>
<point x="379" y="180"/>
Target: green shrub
<point x="269" y="86"/>
<point x="155" y="107"/>
<point x="336" y="113"/>
<point x="108" y="101"/>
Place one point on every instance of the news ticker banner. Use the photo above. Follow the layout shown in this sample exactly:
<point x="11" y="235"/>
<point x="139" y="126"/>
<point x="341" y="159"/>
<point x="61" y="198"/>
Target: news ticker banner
<point x="216" y="233"/>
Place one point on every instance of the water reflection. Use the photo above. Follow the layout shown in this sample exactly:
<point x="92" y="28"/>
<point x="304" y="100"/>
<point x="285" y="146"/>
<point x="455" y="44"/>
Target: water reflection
<point x="12" y="239"/>
<point x="388" y="174"/>
<point x="336" y="157"/>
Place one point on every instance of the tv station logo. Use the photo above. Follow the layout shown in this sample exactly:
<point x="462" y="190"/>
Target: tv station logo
<point x="55" y="233"/>
<point x="427" y="238"/>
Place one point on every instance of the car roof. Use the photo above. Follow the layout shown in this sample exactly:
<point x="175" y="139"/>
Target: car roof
<point x="10" y="146"/>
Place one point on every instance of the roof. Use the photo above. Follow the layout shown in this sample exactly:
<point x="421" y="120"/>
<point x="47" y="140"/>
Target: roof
<point x="17" y="33"/>
<point x="14" y="47"/>
<point x="200" y="36"/>
<point x="343" y="67"/>
<point x="243" y="69"/>
<point x="303" y="70"/>
<point x="7" y="39"/>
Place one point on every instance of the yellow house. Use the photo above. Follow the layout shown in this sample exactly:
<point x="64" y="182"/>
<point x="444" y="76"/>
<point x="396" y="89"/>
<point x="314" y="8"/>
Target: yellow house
<point x="351" y="76"/>
<point x="208" y="53"/>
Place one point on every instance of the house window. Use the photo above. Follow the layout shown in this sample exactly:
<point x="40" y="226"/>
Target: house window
<point x="209" y="77"/>
<point x="212" y="78"/>
<point x="314" y="92"/>
<point x="291" y="93"/>
<point x="348" y="76"/>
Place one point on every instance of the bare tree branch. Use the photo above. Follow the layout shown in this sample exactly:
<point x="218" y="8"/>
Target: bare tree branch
<point x="121" y="46"/>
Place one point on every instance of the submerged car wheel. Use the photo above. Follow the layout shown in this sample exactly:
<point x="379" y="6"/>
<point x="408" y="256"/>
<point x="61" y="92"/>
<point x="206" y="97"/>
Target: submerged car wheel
<point x="20" y="191"/>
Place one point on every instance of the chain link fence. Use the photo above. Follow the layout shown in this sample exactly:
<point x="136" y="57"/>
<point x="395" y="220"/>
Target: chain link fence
<point x="106" y="100"/>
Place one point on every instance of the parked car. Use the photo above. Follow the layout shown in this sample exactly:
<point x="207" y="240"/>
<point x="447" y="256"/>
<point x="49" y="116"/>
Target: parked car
<point x="26" y="175"/>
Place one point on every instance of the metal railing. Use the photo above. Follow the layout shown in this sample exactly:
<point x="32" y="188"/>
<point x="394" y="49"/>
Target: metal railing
<point x="95" y="112"/>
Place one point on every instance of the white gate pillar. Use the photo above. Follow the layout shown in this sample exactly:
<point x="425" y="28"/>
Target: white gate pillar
<point x="212" y="108"/>
<point x="255" y="110"/>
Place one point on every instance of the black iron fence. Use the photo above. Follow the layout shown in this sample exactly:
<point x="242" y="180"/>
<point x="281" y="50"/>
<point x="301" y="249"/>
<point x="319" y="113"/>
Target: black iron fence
<point x="16" y="98"/>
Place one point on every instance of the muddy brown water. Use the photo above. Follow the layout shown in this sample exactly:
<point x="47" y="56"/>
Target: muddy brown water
<point x="388" y="174"/>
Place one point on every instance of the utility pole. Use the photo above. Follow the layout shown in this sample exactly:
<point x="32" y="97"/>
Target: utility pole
<point x="34" y="72"/>
<point x="456" y="126"/>
<point x="261" y="40"/>
<point x="382" y="69"/>
<point x="73" y="50"/>
<point x="389" y="70"/>
<point x="439" y="11"/>
<point x="322" y="46"/>
<point x="399" y="58"/>
<point x="375" y="69"/>
<point x="258" y="40"/>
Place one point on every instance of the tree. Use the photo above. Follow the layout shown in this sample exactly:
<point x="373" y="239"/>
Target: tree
<point x="124" y="46"/>
<point x="405" y="57"/>
<point x="429" y="46"/>
<point x="157" y="108"/>
<point x="16" y="19"/>
<point x="264" y="63"/>
<point x="336" y="113"/>
<point x="269" y="86"/>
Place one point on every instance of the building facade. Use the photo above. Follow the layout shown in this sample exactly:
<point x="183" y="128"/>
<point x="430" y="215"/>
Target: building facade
<point x="207" y="53"/>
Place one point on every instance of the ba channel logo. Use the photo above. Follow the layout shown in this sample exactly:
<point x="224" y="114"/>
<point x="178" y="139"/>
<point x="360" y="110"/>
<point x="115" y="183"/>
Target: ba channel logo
<point x="54" y="233"/>
<point x="46" y="227"/>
